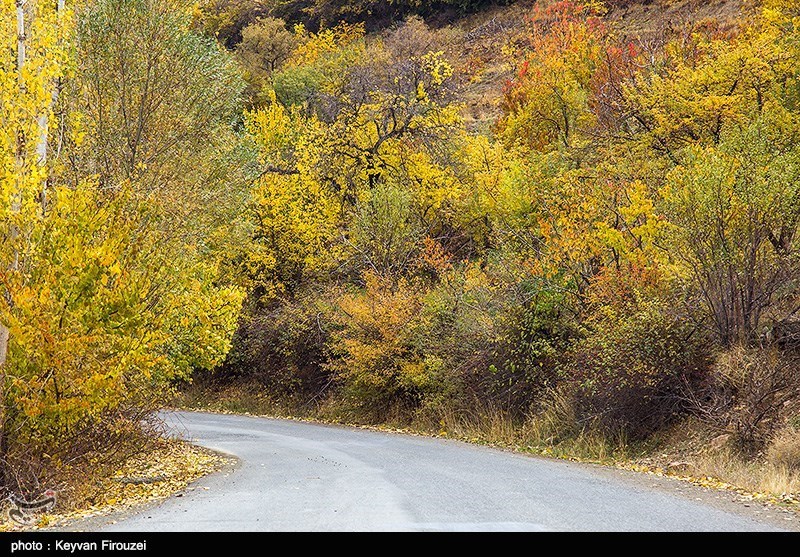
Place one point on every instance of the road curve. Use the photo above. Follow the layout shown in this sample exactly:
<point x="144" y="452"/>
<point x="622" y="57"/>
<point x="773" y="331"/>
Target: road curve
<point x="304" y="477"/>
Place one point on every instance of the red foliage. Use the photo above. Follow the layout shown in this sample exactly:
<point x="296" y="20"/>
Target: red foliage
<point x="562" y="14"/>
<point x="619" y="65"/>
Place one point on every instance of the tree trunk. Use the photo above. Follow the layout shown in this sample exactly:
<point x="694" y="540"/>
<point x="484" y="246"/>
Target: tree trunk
<point x="4" y="337"/>
<point x="16" y="203"/>
<point x="21" y="41"/>
<point x="20" y="34"/>
<point x="43" y="120"/>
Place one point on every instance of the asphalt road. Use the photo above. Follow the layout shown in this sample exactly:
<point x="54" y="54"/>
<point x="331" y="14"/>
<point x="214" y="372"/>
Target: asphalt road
<point x="303" y="477"/>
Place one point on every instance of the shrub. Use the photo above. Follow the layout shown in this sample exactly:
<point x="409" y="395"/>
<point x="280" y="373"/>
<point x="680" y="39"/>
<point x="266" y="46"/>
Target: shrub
<point x="521" y="357"/>
<point x="747" y="394"/>
<point x="283" y="347"/>
<point x="381" y="372"/>
<point x="499" y="338"/>
<point x="294" y="86"/>
<point x="631" y="372"/>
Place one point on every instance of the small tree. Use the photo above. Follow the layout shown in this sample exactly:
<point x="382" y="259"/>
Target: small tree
<point x="266" y="45"/>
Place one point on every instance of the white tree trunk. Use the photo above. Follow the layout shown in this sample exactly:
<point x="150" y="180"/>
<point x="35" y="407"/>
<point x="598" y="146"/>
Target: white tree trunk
<point x="41" y="145"/>
<point x="21" y="41"/>
<point x="15" y="205"/>
<point x="4" y="335"/>
<point x="43" y="121"/>
<point x="20" y="34"/>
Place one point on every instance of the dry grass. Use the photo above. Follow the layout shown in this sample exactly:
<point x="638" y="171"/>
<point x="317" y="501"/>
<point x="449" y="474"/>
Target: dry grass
<point x="784" y="451"/>
<point x="761" y="479"/>
<point x="167" y="468"/>
<point x="643" y="18"/>
<point x="692" y="451"/>
<point x="751" y="392"/>
<point x="249" y="398"/>
<point x="690" y="457"/>
<point x="551" y="432"/>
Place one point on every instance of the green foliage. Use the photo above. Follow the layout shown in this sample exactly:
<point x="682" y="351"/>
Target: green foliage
<point x="165" y="122"/>
<point x="385" y="232"/>
<point x="296" y="86"/>
<point x="734" y="208"/>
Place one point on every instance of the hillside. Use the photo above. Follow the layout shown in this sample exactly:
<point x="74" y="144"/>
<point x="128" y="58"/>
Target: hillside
<point x="478" y="34"/>
<point x="557" y="225"/>
<point x="518" y="232"/>
<point x="485" y="34"/>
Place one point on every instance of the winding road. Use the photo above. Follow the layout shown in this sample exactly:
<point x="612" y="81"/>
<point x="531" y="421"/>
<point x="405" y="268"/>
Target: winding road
<point x="305" y="477"/>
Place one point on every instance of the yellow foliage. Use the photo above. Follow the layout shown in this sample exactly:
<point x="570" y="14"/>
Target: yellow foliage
<point x="314" y="46"/>
<point x="378" y="362"/>
<point x="103" y="306"/>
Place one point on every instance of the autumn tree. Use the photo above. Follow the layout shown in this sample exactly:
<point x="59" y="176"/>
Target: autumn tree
<point x="370" y="135"/>
<point x="106" y="297"/>
<point x="721" y="113"/>
<point x="547" y="102"/>
<point x="266" y="45"/>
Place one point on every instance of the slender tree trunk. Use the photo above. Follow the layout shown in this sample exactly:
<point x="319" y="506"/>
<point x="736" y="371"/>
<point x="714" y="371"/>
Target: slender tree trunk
<point x="21" y="42"/>
<point x="15" y="207"/>
<point x="43" y="121"/>
<point x="20" y="34"/>
<point x="4" y="337"/>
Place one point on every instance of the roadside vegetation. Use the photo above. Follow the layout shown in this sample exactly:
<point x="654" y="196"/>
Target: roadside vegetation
<point x="535" y="229"/>
<point x="122" y="179"/>
<point x="565" y="226"/>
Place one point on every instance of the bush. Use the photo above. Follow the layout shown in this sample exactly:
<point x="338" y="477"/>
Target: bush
<point x="72" y="461"/>
<point x="284" y="348"/>
<point x="520" y="356"/>
<point x="382" y="373"/>
<point x="297" y="85"/>
<point x="748" y="392"/>
<point x="631" y="372"/>
<point x="499" y="338"/>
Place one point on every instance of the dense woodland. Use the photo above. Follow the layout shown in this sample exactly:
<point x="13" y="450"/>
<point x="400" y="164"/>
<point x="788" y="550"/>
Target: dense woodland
<point x="397" y="212"/>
